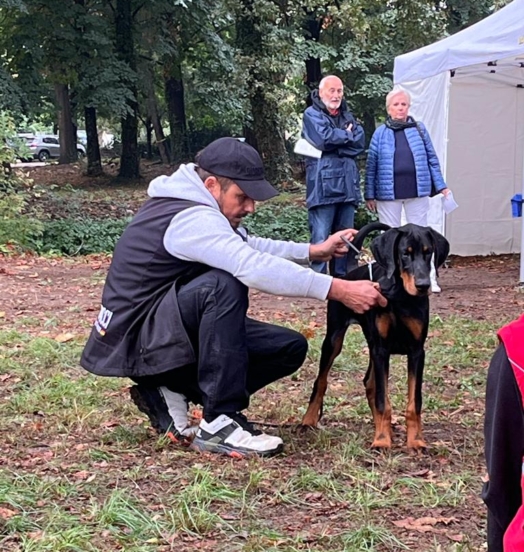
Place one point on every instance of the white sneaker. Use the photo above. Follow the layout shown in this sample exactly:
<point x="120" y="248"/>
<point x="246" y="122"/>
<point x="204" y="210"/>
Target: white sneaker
<point x="177" y="406"/>
<point x="235" y="436"/>
<point x="435" y="288"/>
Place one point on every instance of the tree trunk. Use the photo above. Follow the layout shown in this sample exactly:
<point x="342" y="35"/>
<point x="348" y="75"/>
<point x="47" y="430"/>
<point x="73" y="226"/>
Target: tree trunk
<point x="263" y="97"/>
<point x="176" y="108"/>
<point x="149" y="138"/>
<point x="312" y="26"/>
<point x="129" y="159"/>
<point x="152" y="108"/>
<point x="66" y="134"/>
<point x="94" y="161"/>
<point x="270" y="139"/>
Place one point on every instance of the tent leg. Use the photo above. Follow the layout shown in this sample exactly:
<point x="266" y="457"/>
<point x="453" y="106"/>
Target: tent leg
<point x="521" y="280"/>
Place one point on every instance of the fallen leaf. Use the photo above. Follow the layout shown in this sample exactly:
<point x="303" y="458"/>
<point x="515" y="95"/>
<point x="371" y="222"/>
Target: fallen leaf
<point x="62" y="338"/>
<point x="6" y="513"/>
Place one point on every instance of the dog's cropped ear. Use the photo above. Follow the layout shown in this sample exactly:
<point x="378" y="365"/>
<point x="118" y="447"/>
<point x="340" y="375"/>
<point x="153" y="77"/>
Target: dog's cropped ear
<point x="441" y="246"/>
<point x="384" y="249"/>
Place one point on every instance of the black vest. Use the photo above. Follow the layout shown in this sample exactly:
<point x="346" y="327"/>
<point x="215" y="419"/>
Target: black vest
<point x="126" y="338"/>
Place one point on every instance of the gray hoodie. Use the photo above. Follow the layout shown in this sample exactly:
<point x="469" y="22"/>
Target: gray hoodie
<point x="203" y="234"/>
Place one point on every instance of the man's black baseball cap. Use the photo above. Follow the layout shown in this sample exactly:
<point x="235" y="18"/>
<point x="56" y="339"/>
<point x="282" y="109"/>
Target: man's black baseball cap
<point x="231" y="158"/>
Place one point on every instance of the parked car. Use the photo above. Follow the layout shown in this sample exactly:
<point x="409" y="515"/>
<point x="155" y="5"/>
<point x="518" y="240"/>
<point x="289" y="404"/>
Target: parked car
<point x="47" y="146"/>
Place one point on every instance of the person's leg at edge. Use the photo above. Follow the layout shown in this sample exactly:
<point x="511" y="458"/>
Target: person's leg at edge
<point x="321" y="220"/>
<point x="344" y="218"/>
<point x="417" y="210"/>
<point x="213" y="309"/>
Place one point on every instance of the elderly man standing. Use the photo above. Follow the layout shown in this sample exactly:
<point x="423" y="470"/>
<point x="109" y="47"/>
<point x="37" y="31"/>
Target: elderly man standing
<point x="333" y="187"/>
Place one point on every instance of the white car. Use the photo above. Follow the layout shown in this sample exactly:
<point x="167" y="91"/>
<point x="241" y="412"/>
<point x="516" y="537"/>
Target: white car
<point x="47" y="146"/>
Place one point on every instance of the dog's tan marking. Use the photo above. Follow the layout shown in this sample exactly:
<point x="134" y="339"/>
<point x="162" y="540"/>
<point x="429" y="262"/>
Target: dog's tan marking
<point x="414" y="326"/>
<point x="312" y="415"/>
<point x="413" y="420"/>
<point x="408" y="281"/>
<point x="383" y="434"/>
<point x="383" y="323"/>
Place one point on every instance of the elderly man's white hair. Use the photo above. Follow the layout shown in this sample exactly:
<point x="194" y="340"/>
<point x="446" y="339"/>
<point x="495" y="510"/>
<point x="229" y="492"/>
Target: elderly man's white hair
<point x="322" y="83"/>
<point x="397" y="91"/>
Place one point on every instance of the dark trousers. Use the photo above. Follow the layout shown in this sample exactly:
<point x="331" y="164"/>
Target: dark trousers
<point x="237" y="356"/>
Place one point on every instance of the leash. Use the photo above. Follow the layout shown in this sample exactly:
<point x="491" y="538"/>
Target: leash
<point x="359" y="256"/>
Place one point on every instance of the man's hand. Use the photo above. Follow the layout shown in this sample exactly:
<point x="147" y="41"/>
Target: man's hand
<point x="349" y="128"/>
<point x="334" y="246"/>
<point x="371" y="204"/>
<point x="358" y="295"/>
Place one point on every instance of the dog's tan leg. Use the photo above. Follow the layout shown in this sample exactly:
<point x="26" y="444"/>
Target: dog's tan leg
<point x="383" y="434"/>
<point x="413" y="418"/>
<point x="330" y="351"/>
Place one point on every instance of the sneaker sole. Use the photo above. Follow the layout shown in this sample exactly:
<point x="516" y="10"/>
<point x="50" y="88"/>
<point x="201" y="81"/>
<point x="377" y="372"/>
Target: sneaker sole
<point x="140" y="403"/>
<point x="201" y="446"/>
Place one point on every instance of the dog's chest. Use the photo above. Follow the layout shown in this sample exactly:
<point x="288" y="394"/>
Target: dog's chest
<point x="400" y="329"/>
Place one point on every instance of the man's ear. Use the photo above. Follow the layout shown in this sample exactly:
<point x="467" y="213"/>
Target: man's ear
<point x="213" y="186"/>
<point x="441" y="246"/>
<point x="384" y="249"/>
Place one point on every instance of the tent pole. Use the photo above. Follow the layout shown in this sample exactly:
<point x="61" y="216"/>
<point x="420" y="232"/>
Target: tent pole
<point x="521" y="280"/>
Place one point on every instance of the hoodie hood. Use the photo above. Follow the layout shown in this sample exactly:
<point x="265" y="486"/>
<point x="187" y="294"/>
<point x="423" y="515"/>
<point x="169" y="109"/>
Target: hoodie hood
<point x="184" y="183"/>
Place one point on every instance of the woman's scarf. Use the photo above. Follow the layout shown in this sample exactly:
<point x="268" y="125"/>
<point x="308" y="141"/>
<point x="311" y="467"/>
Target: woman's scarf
<point x="394" y="124"/>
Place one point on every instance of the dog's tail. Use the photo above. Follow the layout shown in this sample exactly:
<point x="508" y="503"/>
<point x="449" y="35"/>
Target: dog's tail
<point x="363" y="233"/>
<point x="358" y="242"/>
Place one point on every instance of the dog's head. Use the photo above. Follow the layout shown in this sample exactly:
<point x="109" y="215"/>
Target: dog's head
<point x="406" y="253"/>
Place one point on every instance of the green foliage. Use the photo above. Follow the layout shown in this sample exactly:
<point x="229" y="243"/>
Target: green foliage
<point x="289" y="221"/>
<point x="16" y="229"/>
<point x="80" y="236"/>
<point x="279" y="222"/>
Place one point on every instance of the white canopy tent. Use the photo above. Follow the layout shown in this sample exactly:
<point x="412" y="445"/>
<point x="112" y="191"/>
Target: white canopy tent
<point x="468" y="89"/>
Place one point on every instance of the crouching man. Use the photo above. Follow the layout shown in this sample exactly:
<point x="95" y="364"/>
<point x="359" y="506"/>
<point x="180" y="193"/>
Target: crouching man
<point x="173" y="315"/>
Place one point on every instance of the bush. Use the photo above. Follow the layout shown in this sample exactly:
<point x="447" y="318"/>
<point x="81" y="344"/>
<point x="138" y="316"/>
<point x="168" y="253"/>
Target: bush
<point x="279" y="222"/>
<point x="80" y="236"/>
<point x="290" y="221"/>
<point x="16" y="229"/>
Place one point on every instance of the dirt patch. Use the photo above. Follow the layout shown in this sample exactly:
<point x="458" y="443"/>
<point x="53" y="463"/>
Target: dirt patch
<point x="59" y="298"/>
<point x="46" y="296"/>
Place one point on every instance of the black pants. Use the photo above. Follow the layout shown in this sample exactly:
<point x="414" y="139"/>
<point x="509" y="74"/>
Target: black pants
<point x="237" y="356"/>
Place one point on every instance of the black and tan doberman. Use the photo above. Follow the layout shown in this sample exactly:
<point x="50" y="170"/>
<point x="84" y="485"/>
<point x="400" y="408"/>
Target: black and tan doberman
<point x="402" y="268"/>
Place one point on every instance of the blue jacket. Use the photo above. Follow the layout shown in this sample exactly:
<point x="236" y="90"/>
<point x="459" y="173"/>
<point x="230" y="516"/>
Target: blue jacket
<point x="379" y="167"/>
<point x="334" y="177"/>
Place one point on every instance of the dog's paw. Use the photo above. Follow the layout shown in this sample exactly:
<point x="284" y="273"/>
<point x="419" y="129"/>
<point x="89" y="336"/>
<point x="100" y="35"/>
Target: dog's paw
<point x="306" y="428"/>
<point x="310" y="420"/>
<point x="417" y="445"/>
<point x="381" y="441"/>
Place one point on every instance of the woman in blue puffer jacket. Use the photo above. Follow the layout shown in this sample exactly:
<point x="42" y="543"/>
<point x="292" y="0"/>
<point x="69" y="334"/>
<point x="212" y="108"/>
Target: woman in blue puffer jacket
<point x="402" y="168"/>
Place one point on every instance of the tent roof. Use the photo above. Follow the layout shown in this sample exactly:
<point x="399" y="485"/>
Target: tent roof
<point x="499" y="36"/>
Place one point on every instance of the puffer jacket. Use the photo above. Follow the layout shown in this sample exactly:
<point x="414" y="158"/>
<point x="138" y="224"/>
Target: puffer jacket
<point x="334" y="177"/>
<point x="379" y="167"/>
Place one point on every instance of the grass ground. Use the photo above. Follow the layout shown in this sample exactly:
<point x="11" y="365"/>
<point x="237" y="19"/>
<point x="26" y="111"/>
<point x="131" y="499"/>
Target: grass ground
<point x="81" y="470"/>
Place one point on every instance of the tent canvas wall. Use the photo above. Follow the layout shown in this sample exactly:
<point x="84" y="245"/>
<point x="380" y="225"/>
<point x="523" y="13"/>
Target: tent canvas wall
<point x="468" y="89"/>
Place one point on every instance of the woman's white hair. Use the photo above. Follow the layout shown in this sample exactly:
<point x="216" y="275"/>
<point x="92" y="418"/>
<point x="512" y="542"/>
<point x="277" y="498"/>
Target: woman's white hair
<point x="397" y="91"/>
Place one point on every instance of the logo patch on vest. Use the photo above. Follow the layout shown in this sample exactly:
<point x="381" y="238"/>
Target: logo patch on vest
<point x="103" y="319"/>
